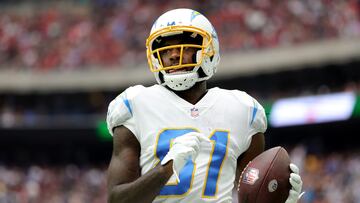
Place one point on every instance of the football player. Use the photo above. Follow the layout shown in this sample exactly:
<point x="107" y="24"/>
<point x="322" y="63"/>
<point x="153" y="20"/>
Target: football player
<point x="178" y="141"/>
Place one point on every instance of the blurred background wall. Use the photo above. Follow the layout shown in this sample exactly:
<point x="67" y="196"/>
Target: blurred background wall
<point x="62" y="62"/>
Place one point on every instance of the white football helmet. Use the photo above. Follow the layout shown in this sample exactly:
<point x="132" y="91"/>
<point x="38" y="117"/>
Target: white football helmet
<point x="194" y="25"/>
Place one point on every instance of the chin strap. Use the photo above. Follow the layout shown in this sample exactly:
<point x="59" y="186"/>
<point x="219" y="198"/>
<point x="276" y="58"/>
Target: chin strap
<point x="181" y="82"/>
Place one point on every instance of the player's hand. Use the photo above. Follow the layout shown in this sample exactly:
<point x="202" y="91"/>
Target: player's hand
<point x="296" y="183"/>
<point x="184" y="147"/>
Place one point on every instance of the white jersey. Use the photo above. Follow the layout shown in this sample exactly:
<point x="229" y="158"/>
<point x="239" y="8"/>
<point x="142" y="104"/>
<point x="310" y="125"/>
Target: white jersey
<point x="156" y="116"/>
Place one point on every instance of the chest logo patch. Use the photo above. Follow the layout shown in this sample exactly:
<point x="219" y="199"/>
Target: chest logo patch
<point x="194" y="112"/>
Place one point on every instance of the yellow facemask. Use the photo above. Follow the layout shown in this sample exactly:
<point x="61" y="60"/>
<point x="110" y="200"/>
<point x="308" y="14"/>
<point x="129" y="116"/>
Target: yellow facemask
<point x="154" y="56"/>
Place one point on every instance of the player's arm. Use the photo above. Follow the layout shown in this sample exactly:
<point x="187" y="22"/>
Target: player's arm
<point x="256" y="147"/>
<point x="255" y="133"/>
<point x="124" y="181"/>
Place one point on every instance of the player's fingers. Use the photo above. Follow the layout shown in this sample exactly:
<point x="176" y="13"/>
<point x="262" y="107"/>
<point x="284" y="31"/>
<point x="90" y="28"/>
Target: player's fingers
<point x="202" y="137"/>
<point x="193" y="154"/>
<point x="190" y="142"/>
<point x="186" y="153"/>
<point x="296" y="178"/>
<point x="294" y="168"/>
<point x="196" y="146"/>
<point x="296" y="182"/>
<point x="293" y="196"/>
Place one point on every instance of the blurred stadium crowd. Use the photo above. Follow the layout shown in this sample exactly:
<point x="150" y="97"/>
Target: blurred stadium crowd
<point x="62" y="184"/>
<point x="332" y="178"/>
<point x="105" y="34"/>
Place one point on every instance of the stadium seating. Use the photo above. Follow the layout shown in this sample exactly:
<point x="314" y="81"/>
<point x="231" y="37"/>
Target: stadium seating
<point x="108" y="35"/>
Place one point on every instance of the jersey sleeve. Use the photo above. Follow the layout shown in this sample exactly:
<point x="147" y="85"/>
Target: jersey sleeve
<point x="120" y="110"/>
<point x="256" y="118"/>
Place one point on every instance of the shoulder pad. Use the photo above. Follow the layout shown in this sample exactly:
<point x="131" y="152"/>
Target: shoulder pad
<point x="256" y="114"/>
<point x="121" y="108"/>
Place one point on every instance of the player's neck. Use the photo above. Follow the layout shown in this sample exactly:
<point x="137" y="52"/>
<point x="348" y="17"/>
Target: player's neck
<point x="194" y="94"/>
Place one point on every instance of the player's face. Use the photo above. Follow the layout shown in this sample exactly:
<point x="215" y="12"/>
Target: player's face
<point x="171" y="57"/>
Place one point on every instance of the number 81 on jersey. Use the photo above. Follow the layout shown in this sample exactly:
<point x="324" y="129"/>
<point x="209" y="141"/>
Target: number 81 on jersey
<point x="219" y="139"/>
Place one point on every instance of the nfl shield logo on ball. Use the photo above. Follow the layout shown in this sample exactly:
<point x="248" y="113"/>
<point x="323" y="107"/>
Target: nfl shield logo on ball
<point x="250" y="176"/>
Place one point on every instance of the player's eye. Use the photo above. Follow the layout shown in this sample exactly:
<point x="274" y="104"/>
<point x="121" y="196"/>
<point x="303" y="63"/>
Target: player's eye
<point x="190" y="49"/>
<point x="165" y="52"/>
<point x="168" y="52"/>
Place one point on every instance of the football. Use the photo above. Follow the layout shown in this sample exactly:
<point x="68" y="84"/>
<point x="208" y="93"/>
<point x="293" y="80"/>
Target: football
<point x="266" y="178"/>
